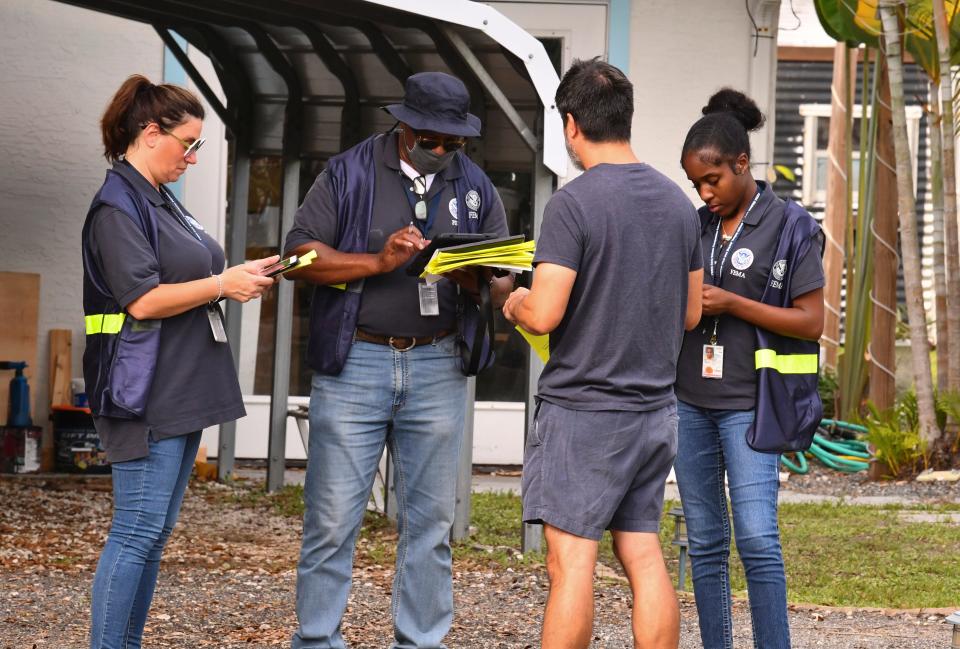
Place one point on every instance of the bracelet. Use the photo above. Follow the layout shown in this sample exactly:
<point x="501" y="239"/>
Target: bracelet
<point x="219" y="289"/>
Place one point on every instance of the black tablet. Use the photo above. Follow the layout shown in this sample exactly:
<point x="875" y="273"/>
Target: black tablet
<point x="445" y="240"/>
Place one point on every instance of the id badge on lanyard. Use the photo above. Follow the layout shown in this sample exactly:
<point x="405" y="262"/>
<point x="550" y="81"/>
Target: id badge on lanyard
<point x="712" y="360"/>
<point x="429" y="299"/>
<point x="215" y="316"/>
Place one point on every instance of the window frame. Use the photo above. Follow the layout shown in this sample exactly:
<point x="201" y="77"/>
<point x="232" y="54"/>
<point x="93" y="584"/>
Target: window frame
<point x="812" y="195"/>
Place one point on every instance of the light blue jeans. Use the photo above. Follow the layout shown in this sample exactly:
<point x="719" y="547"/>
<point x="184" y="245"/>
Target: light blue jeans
<point x="414" y="401"/>
<point x="712" y="442"/>
<point x="147" y="494"/>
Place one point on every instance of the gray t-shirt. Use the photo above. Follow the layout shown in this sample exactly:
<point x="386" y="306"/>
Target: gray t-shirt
<point x="195" y="384"/>
<point x="390" y="303"/>
<point x="633" y="238"/>
<point x="745" y="272"/>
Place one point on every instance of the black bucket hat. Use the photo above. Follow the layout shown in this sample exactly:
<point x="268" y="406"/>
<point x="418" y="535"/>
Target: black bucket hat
<point x="438" y="102"/>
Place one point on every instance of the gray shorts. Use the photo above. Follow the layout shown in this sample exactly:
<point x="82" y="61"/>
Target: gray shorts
<point x="587" y="471"/>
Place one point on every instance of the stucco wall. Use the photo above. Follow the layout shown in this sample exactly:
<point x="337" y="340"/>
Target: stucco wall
<point x="680" y="54"/>
<point x="60" y="66"/>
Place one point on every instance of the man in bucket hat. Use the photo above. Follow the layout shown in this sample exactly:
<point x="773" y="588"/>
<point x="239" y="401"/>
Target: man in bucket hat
<point x="384" y="355"/>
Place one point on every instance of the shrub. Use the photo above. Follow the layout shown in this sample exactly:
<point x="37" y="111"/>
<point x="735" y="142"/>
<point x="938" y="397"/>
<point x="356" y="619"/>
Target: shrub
<point x="895" y="435"/>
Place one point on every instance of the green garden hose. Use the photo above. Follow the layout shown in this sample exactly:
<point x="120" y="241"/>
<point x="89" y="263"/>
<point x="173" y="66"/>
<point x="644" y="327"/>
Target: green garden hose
<point x="845" y="455"/>
<point x="800" y="466"/>
<point x="843" y="424"/>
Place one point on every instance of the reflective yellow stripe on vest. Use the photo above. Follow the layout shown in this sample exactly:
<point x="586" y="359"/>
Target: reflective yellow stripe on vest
<point x="104" y="323"/>
<point x="786" y="363"/>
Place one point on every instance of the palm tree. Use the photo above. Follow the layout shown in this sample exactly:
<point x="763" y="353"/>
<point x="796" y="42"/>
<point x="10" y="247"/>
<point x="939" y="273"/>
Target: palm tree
<point x="909" y="244"/>
<point x="952" y="252"/>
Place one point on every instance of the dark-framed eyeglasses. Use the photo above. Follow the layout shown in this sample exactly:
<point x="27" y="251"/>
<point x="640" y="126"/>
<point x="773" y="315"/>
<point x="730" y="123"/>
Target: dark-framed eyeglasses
<point x="432" y="141"/>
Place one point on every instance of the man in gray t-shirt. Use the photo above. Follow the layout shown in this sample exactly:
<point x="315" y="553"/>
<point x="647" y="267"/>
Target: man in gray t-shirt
<point x="618" y="278"/>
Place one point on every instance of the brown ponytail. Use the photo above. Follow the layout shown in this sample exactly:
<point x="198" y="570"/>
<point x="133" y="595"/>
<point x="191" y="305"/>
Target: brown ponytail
<point x="139" y="102"/>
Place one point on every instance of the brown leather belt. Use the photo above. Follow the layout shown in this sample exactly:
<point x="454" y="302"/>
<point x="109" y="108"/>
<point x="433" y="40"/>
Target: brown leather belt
<point x="400" y="343"/>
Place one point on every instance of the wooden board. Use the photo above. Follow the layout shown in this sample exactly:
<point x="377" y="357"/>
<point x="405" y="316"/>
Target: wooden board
<point x="61" y="367"/>
<point x="20" y="314"/>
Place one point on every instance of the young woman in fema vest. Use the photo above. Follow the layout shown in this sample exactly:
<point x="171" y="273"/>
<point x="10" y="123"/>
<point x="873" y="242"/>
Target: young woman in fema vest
<point x="747" y="375"/>
<point x="156" y="364"/>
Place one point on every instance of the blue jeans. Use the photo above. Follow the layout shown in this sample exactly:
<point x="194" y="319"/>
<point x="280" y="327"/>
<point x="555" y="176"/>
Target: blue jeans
<point x="712" y="442"/>
<point x="147" y="494"/>
<point x="414" y="401"/>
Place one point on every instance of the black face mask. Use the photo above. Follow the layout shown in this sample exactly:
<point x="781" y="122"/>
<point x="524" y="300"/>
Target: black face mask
<point x="426" y="161"/>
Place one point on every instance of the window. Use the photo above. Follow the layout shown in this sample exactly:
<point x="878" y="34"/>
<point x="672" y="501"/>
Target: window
<point x="816" y="159"/>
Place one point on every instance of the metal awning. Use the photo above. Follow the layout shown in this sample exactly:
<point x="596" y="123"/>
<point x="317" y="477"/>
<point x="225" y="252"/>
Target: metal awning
<point x="340" y="62"/>
<point x="305" y="79"/>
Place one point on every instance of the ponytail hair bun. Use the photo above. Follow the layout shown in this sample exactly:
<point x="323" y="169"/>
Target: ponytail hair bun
<point x="744" y="109"/>
<point x="721" y="134"/>
<point x="139" y="102"/>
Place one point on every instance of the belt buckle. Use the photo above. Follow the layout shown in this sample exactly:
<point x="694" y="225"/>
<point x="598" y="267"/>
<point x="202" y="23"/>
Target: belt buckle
<point x="413" y="343"/>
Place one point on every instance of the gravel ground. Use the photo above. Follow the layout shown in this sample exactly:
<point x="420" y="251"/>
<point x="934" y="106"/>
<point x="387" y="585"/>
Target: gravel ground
<point x="229" y="572"/>
<point x="826" y="482"/>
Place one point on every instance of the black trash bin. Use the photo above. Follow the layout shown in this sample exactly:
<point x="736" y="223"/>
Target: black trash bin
<point x="77" y="444"/>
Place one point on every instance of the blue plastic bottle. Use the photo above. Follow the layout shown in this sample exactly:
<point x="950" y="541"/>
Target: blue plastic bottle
<point x="19" y="412"/>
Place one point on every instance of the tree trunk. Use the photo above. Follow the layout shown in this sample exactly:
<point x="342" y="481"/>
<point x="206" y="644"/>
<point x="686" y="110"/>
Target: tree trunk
<point x="884" y="325"/>
<point x="939" y="263"/>
<point x="909" y="244"/>
<point x="952" y="251"/>
<point x="835" y="215"/>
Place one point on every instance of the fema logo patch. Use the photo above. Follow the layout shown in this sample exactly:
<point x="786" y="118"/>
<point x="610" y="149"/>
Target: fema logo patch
<point x="742" y="259"/>
<point x="779" y="269"/>
<point x="473" y="200"/>
<point x="453" y="207"/>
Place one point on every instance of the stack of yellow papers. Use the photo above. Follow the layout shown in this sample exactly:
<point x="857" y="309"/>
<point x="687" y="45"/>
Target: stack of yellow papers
<point x="539" y="344"/>
<point x="509" y="254"/>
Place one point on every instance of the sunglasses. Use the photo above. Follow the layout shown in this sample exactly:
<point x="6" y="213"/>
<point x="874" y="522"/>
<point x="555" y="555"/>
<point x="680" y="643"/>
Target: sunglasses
<point x="451" y="143"/>
<point x="191" y="147"/>
<point x="420" y="188"/>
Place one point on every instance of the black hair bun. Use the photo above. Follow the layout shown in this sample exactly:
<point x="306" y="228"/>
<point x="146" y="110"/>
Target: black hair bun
<point x="744" y="109"/>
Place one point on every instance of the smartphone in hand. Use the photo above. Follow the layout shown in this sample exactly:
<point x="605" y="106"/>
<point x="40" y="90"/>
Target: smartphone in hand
<point x="281" y="266"/>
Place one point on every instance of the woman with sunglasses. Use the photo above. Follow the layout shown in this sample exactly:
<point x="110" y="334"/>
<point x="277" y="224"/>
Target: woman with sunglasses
<point x="156" y="367"/>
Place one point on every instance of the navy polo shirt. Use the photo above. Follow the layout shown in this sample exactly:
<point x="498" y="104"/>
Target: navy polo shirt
<point x="390" y="304"/>
<point x="746" y="271"/>
<point x="195" y="383"/>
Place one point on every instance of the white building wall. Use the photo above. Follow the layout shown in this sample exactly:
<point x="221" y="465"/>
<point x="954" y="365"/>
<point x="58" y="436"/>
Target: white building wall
<point x="683" y="52"/>
<point x="60" y="66"/>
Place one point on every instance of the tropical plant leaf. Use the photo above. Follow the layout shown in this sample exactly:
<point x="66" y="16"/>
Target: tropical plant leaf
<point x="854" y="22"/>
<point x="857" y="22"/>
<point x="786" y="172"/>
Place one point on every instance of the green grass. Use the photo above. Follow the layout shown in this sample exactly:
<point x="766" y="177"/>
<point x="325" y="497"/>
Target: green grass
<point x="836" y="555"/>
<point x="842" y="555"/>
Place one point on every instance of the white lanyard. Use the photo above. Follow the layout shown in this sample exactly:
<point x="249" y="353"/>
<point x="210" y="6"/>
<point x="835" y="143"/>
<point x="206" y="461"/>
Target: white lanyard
<point x="715" y="272"/>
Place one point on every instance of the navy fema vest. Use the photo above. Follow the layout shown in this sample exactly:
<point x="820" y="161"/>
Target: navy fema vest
<point x="788" y="406"/>
<point x="334" y="311"/>
<point x="121" y="353"/>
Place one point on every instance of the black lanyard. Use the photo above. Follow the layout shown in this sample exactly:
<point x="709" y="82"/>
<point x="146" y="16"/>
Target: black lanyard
<point x="184" y="220"/>
<point x="179" y="215"/>
<point x="413" y="198"/>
